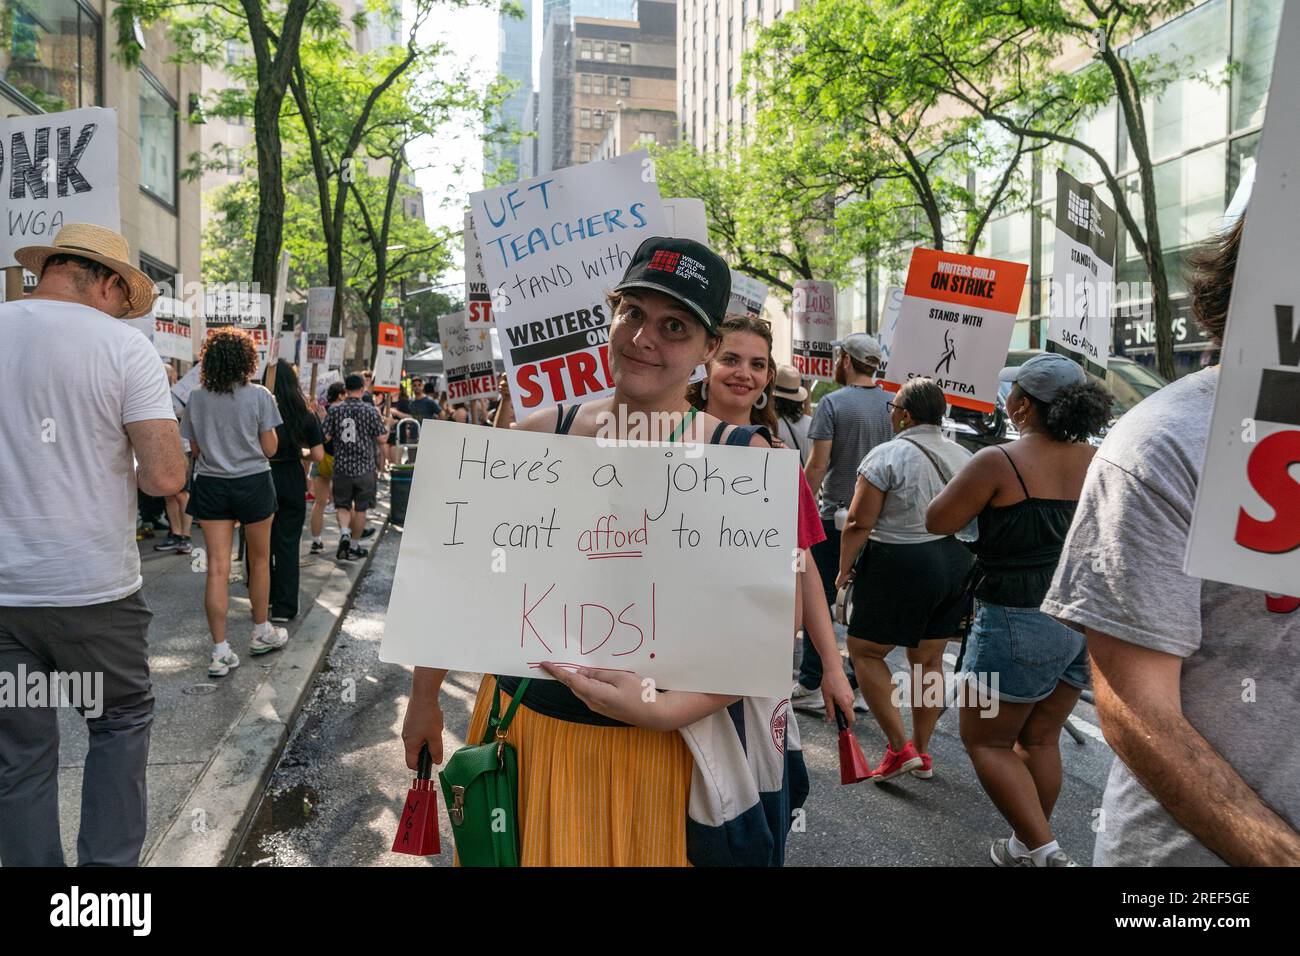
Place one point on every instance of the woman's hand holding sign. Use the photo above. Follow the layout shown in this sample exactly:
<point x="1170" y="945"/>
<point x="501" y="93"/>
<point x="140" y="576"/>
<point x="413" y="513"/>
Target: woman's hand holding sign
<point x="621" y="695"/>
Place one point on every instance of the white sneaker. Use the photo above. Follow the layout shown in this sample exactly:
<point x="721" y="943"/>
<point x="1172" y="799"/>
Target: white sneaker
<point x="860" y="704"/>
<point x="271" y="640"/>
<point x="806" y="698"/>
<point x="329" y="508"/>
<point x="221" y="666"/>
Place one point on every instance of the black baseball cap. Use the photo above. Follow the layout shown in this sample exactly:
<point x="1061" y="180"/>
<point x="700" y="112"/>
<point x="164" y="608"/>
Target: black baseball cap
<point x="687" y="270"/>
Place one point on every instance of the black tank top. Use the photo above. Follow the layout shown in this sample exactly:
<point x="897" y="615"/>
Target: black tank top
<point x="551" y="698"/>
<point x="1019" y="546"/>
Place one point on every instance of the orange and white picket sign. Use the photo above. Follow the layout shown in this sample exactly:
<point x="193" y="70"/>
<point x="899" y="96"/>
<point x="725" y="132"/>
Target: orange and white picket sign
<point x="387" y="375"/>
<point x="955" y="325"/>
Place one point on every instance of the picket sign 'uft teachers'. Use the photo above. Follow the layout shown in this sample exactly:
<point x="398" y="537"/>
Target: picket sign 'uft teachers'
<point x="56" y="168"/>
<point x="552" y="248"/>
<point x="955" y="324"/>
<point x="673" y="562"/>
<point x="1246" y="524"/>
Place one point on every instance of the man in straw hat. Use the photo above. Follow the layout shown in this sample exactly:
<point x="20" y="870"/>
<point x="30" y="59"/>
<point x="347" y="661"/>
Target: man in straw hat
<point x="86" y="394"/>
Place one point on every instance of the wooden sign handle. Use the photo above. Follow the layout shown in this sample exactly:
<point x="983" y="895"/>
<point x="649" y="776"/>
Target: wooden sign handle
<point x="13" y="283"/>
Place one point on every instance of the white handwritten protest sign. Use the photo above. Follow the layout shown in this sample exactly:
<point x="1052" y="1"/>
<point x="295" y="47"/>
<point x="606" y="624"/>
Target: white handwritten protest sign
<point x="234" y="307"/>
<point x="890" y="307"/>
<point x="334" y="352"/>
<point x="172" y="332"/>
<point x="1083" y="274"/>
<point x="466" y="359"/>
<point x="674" y="562"/>
<point x="747" y="295"/>
<point x="1246" y="524"/>
<point x="813" y="306"/>
<point x="187" y="384"/>
<point x="56" y="168"/>
<point x="552" y="248"/>
<point x="320" y="309"/>
<point x="955" y="324"/>
<point x="478" y="299"/>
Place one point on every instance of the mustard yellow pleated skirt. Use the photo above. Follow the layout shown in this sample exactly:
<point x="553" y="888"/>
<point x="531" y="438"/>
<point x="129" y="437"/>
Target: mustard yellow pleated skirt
<point x="595" y="796"/>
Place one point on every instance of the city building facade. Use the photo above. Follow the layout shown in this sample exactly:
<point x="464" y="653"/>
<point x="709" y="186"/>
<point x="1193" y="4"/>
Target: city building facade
<point x="58" y="55"/>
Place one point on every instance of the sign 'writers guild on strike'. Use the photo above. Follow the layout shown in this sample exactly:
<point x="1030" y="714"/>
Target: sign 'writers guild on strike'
<point x="674" y="562"/>
<point x="954" y="325"/>
<point x="56" y="168"/>
<point x="552" y="247"/>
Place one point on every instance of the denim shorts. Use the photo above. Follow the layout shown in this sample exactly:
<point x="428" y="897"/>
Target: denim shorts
<point x="1028" y="652"/>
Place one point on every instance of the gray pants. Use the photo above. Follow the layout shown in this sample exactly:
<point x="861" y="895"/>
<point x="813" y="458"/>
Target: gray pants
<point x="101" y="639"/>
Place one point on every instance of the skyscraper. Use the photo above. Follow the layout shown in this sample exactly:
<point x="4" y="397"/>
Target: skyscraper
<point x="515" y="63"/>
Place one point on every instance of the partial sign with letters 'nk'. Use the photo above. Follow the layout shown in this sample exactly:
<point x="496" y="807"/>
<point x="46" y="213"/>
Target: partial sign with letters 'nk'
<point x="1246" y="524"/>
<point x="673" y="562"/>
<point x="552" y="248"/>
<point x="56" y="168"/>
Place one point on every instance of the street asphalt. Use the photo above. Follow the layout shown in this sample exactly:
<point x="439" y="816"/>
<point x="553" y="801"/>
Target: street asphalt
<point x="337" y="793"/>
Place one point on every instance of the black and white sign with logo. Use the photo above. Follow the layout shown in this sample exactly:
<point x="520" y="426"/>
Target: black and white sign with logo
<point x="1083" y="273"/>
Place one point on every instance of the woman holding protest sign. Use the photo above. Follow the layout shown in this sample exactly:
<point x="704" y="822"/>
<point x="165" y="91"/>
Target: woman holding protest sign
<point x="605" y="778"/>
<point x="230" y="423"/>
<point x="908" y="583"/>
<point x="1032" y="664"/>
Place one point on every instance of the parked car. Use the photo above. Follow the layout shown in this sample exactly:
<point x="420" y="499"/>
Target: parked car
<point x="1127" y="381"/>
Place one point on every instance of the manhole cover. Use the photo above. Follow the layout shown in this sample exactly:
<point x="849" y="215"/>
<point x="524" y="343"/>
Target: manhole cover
<point x="199" y="690"/>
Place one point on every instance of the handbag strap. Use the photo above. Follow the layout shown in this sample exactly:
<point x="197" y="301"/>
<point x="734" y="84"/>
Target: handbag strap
<point x="926" y="452"/>
<point x="500" y="726"/>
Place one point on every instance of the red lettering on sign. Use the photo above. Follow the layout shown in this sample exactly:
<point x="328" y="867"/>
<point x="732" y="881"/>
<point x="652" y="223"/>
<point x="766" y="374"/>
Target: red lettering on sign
<point x="1267" y="470"/>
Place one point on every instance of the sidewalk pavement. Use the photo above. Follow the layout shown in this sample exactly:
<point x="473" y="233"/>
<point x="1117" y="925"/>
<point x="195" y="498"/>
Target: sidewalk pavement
<point x="215" y="740"/>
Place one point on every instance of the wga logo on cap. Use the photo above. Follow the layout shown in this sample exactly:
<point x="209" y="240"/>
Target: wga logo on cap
<point x="664" y="261"/>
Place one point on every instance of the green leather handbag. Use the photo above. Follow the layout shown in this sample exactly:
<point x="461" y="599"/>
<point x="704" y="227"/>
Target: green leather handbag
<point x="480" y="785"/>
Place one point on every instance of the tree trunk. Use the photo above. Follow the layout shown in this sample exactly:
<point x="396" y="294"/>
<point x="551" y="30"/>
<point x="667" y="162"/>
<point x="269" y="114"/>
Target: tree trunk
<point x="1135" y="122"/>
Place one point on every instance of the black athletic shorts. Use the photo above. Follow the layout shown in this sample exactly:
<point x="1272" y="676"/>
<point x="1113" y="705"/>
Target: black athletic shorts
<point x="353" y="492"/>
<point x="247" y="500"/>
<point x="907" y="593"/>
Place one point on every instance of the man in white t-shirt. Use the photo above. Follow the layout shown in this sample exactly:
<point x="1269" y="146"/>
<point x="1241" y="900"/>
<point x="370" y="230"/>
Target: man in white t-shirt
<point x="86" y="394"/>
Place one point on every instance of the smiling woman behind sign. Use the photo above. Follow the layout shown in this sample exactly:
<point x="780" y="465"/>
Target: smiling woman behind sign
<point x="605" y="777"/>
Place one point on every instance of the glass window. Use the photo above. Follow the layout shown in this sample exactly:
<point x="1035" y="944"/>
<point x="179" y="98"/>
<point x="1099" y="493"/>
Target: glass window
<point x="584" y="82"/>
<point x="158" y="136"/>
<point x="584" y="119"/>
<point x="647" y="137"/>
<point x="1254" y="38"/>
<point x="624" y="86"/>
<point x="1241" y="160"/>
<point x="598" y="119"/>
<point x="49" y="52"/>
<point x="625" y="53"/>
<point x="1191" y="110"/>
<point x="584" y="152"/>
<point x="234" y="52"/>
<point x="1098" y="131"/>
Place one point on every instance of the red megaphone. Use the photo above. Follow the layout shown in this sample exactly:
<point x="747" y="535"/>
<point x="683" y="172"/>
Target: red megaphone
<point x="417" y="830"/>
<point x="853" y="763"/>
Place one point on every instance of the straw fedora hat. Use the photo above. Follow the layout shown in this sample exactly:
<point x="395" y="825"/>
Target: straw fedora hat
<point x="104" y="246"/>
<point x="788" y="384"/>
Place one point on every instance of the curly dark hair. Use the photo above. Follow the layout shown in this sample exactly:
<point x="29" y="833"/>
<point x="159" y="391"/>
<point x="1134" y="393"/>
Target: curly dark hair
<point x="228" y="359"/>
<point x="1209" y="279"/>
<point x="1079" y="411"/>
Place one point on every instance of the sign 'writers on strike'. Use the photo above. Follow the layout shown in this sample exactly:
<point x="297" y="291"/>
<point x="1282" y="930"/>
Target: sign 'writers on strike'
<point x="955" y="324"/>
<point x="56" y="168"/>
<point x="673" y="562"/>
<point x="813" y="307"/>
<point x="1246" y="524"/>
<point x="552" y="249"/>
<point x="466" y="359"/>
